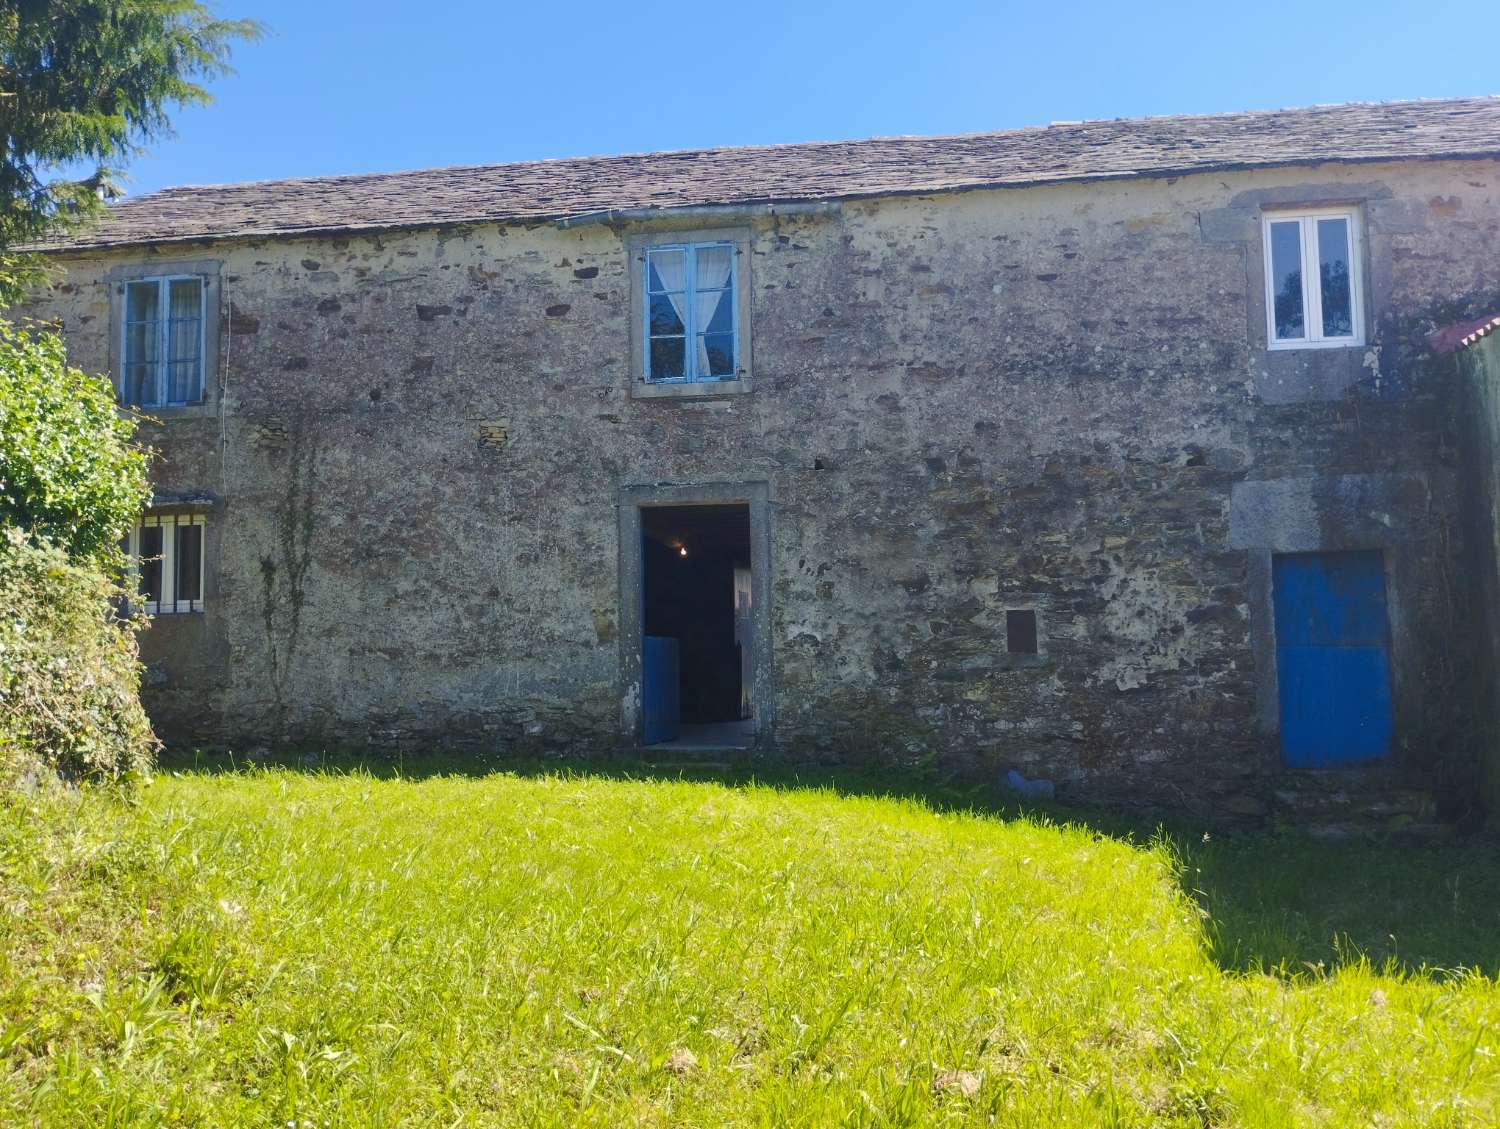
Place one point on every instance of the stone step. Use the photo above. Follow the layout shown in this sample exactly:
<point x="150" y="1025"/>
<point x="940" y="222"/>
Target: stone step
<point x="1397" y="828"/>
<point x="1346" y="808"/>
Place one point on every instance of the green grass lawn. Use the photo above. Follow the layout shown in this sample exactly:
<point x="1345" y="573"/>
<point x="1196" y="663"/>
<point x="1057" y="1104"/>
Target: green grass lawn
<point x="306" y="949"/>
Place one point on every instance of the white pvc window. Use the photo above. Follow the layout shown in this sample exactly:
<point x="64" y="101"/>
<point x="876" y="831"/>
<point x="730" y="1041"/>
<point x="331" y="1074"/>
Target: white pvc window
<point x="166" y="563"/>
<point x="163" y="346"/>
<point x="691" y="315"/>
<point x="1314" y="283"/>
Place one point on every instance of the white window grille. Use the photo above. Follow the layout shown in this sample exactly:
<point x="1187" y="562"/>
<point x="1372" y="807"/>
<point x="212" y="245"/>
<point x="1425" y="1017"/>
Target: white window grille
<point x="166" y="563"/>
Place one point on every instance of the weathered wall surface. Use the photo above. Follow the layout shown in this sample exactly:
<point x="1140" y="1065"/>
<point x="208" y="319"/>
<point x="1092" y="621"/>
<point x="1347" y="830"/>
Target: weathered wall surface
<point x="1053" y="398"/>
<point x="1479" y="368"/>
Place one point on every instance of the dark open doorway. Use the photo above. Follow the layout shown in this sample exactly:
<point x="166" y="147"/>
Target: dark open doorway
<point x="697" y="625"/>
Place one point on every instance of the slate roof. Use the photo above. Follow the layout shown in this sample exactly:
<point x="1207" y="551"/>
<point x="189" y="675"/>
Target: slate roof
<point x="539" y="191"/>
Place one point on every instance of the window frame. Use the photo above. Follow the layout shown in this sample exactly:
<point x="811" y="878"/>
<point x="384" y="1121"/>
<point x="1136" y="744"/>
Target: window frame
<point x="163" y="284"/>
<point x="650" y="237"/>
<point x="690" y="328"/>
<point x="169" y="604"/>
<point x="1312" y="296"/>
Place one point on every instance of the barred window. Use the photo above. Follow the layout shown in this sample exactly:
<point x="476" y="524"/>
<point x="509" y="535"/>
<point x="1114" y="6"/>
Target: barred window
<point x="166" y="563"/>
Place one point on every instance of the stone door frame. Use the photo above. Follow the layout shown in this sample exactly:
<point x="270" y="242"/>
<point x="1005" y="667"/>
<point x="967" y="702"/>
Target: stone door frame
<point x="633" y="499"/>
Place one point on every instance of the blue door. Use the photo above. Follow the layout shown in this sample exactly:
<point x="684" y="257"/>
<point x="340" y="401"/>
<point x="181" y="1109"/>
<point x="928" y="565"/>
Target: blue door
<point x="1332" y="658"/>
<point x="661" y="689"/>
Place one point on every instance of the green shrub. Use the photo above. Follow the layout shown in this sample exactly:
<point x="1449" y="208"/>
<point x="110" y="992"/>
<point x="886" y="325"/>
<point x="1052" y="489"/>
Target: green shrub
<point x="69" y="668"/>
<point x="68" y="470"/>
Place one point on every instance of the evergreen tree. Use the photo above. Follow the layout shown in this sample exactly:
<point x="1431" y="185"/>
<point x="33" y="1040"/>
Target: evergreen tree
<point x="84" y="84"/>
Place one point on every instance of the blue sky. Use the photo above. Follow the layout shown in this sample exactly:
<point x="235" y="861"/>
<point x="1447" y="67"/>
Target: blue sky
<point x="374" y="85"/>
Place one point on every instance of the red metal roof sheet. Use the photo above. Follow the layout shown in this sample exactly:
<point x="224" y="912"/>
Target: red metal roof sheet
<point x="1465" y="333"/>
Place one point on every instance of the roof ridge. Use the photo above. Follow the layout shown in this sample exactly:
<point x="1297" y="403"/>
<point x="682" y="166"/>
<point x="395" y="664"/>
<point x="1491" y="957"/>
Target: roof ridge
<point x="1309" y="107"/>
<point x="782" y="146"/>
<point x="567" y="189"/>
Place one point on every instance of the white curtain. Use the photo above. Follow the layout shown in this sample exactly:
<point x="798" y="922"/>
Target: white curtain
<point x="142" y="337"/>
<point x="714" y="267"/>
<point x="671" y="271"/>
<point x="671" y="268"/>
<point x="185" y="309"/>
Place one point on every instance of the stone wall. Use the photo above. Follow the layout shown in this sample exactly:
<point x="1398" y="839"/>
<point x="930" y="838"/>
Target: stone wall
<point x="1055" y="398"/>
<point x="1479" y="370"/>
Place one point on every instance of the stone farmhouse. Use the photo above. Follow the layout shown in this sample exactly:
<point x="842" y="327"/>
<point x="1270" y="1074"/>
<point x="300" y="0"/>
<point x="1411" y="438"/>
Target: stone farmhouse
<point x="1114" y="453"/>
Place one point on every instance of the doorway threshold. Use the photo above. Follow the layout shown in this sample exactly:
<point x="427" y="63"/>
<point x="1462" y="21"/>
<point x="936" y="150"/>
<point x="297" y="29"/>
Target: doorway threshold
<point x="722" y="735"/>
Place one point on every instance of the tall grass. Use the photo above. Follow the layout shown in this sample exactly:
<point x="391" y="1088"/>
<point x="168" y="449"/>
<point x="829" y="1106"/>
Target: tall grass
<point x="280" y="948"/>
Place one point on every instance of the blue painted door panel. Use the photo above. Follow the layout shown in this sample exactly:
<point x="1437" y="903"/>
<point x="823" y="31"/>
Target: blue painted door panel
<point x="1335" y="705"/>
<point x="1330" y="600"/>
<point x="1332" y="658"/>
<point x="661" y="689"/>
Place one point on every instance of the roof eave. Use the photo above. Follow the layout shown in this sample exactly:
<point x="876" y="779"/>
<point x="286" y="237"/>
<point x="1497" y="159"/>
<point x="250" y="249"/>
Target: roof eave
<point x="767" y="206"/>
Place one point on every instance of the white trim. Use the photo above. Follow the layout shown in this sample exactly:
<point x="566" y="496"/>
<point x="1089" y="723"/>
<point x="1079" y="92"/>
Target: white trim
<point x="1312" y="294"/>
<point x="169" y="603"/>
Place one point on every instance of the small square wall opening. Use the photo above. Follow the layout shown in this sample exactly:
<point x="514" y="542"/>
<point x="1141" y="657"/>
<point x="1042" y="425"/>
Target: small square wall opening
<point x="1020" y="632"/>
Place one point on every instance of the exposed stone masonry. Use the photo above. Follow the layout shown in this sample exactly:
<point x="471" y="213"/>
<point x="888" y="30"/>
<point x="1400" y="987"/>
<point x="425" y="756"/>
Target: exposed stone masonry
<point x="964" y="404"/>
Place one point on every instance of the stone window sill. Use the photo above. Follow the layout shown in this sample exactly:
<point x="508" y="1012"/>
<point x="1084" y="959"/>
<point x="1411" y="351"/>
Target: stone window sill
<point x="708" y="390"/>
<point x="167" y="412"/>
<point x="1314" y="346"/>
